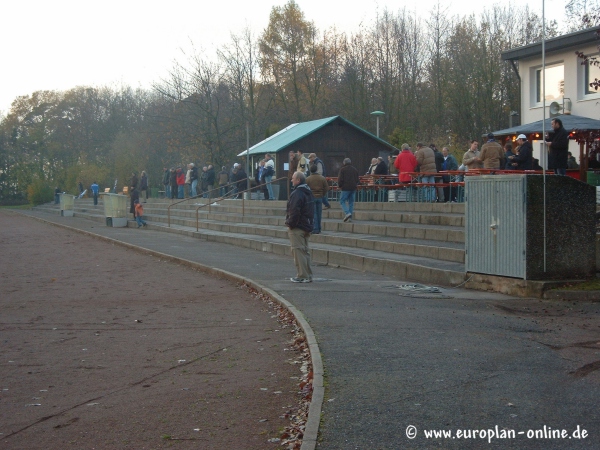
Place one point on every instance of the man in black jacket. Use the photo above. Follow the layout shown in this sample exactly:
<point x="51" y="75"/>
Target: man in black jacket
<point x="439" y="164"/>
<point x="524" y="160"/>
<point x="210" y="180"/>
<point x="167" y="182"/>
<point x="194" y="179"/>
<point x="300" y="222"/>
<point x="558" y="148"/>
<point x="347" y="183"/>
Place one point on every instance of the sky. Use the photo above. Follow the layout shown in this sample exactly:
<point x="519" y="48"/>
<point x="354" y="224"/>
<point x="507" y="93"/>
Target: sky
<point x="61" y="44"/>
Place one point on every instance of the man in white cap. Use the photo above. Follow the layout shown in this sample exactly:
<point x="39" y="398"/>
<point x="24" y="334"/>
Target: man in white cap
<point x="524" y="160"/>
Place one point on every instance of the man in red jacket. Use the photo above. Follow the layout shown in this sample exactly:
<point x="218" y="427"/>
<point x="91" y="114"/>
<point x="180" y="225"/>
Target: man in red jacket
<point x="405" y="163"/>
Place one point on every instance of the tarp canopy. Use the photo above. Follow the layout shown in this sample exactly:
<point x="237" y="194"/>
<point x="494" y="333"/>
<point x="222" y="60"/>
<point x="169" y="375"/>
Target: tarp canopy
<point x="569" y="121"/>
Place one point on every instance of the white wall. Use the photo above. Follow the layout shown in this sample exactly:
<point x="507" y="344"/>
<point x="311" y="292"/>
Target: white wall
<point x="574" y="84"/>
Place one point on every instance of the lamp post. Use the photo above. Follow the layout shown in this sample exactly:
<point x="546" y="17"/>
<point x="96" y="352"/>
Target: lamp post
<point x="377" y="114"/>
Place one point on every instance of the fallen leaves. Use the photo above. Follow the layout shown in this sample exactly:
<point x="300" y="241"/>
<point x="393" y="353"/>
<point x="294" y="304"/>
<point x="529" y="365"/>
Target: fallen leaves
<point x="291" y="436"/>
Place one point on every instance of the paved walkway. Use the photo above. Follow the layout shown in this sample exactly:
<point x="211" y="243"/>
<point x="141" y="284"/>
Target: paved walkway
<point x="459" y="360"/>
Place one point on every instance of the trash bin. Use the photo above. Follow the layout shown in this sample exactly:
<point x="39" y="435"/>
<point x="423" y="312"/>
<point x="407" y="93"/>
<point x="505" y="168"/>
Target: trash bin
<point x="67" y="204"/>
<point x="154" y="192"/>
<point x="115" y="209"/>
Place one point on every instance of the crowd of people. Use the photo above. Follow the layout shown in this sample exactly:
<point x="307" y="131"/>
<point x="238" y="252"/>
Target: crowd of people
<point x="180" y="184"/>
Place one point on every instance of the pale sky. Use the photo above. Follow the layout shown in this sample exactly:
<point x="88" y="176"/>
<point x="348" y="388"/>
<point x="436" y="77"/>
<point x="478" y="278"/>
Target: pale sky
<point x="60" y="44"/>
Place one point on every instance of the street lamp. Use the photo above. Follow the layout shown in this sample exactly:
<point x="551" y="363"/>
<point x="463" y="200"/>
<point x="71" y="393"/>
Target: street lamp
<point x="377" y="114"/>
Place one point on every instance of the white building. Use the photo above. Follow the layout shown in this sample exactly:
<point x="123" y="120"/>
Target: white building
<point x="567" y="80"/>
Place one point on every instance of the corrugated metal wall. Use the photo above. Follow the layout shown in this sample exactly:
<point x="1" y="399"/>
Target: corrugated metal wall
<point x="495" y="225"/>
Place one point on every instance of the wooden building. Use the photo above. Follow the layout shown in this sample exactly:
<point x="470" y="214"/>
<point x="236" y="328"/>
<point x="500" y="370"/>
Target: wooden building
<point x="332" y="139"/>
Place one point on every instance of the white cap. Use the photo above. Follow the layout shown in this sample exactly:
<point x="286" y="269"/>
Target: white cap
<point x="522" y="136"/>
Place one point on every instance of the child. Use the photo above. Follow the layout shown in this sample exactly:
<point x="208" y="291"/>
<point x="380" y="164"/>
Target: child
<point x="139" y="212"/>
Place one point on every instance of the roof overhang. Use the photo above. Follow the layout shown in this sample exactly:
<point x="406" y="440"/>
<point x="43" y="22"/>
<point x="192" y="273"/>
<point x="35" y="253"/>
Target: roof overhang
<point x="571" y="40"/>
<point x="581" y="128"/>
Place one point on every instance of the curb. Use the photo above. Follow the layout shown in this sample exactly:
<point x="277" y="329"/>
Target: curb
<point x="309" y="440"/>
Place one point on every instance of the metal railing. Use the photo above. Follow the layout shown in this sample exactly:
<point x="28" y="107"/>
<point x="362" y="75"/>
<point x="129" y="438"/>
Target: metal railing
<point x="380" y="187"/>
<point x="198" y="196"/>
<point x="231" y="195"/>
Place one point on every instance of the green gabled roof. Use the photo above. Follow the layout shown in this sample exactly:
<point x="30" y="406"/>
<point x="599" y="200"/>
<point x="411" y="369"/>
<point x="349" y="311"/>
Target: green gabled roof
<point x="297" y="131"/>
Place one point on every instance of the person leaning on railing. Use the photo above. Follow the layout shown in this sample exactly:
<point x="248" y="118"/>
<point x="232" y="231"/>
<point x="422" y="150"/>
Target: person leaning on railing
<point x="450" y="164"/>
<point x="405" y="163"/>
<point x="426" y="160"/>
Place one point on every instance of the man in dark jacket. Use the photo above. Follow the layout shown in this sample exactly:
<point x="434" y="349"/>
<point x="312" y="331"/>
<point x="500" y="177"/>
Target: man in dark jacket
<point x="450" y="163"/>
<point x="558" y="148"/>
<point x="299" y="220"/>
<point x="439" y="166"/>
<point x="167" y="182"/>
<point x="347" y="183"/>
<point x="240" y="178"/>
<point x="193" y="179"/>
<point x="173" y="183"/>
<point x="210" y="180"/>
<point x="133" y="183"/>
<point x="134" y="196"/>
<point x="524" y="160"/>
<point x="381" y="168"/>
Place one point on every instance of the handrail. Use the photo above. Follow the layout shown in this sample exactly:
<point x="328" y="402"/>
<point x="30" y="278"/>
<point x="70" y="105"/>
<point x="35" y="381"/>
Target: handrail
<point x="196" y="196"/>
<point x="231" y="195"/>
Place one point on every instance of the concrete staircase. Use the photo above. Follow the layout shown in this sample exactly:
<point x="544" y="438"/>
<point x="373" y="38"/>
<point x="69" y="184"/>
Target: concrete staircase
<point x="423" y="242"/>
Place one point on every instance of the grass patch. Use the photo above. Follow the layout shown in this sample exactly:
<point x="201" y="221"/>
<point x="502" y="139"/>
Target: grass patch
<point x="590" y="285"/>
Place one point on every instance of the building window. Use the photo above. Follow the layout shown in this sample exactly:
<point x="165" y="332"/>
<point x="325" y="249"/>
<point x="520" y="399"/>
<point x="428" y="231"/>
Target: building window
<point x="592" y="72"/>
<point x="555" y="83"/>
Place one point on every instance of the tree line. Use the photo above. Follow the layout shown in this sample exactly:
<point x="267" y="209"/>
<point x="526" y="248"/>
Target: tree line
<point x="438" y="79"/>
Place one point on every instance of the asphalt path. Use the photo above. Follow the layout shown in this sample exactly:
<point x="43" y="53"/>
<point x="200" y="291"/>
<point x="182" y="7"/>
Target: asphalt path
<point x="491" y="370"/>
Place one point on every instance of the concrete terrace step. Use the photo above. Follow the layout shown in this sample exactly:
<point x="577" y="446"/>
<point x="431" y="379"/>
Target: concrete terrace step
<point x="424" y="226"/>
<point x="416" y="268"/>
<point x="413" y="240"/>
<point x="447" y="251"/>
<point x="444" y="214"/>
<point x="412" y="225"/>
<point x="416" y="249"/>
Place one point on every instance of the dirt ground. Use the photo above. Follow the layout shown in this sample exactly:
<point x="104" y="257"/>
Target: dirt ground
<point x="107" y="348"/>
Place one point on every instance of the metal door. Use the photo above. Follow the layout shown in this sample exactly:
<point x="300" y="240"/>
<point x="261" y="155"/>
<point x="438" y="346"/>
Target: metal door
<point x="496" y="225"/>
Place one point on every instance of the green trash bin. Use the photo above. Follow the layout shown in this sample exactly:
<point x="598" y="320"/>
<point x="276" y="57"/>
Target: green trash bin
<point x="153" y="192"/>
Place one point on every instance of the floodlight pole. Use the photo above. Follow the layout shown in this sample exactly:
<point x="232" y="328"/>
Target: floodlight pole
<point x="247" y="159"/>
<point x="544" y="151"/>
